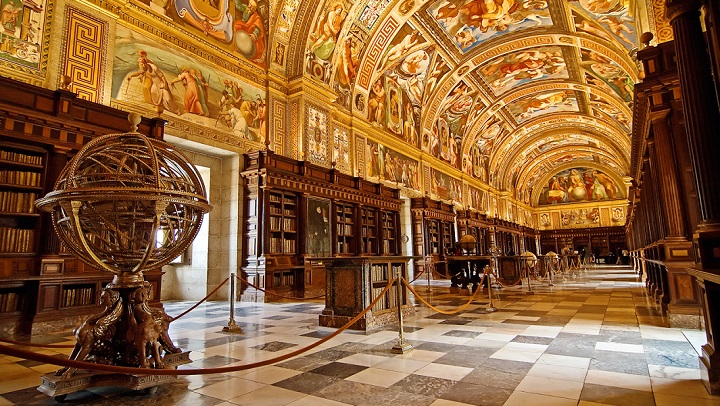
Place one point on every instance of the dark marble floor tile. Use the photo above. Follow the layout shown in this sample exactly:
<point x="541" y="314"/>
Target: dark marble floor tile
<point x="627" y="363"/>
<point x="594" y="309"/>
<point x="470" y="357"/>
<point x="307" y="382"/>
<point x="670" y="353"/>
<point x="433" y="346"/>
<point x="424" y="385"/>
<point x="532" y="340"/>
<point x="304" y="364"/>
<point x="493" y="378"/>
<point x="462" y="333"/>
<point x="610" y="395"/>
<point x="474" y="394"/>
<point x="338" y="369"/>
<point x="330" y="354"/>
<point x="515" y="367"/>
<point x="572" y="346"/>
<point x="274" y="346"/>
<point x="277" y="317"/>
<point x="457" y="321"/>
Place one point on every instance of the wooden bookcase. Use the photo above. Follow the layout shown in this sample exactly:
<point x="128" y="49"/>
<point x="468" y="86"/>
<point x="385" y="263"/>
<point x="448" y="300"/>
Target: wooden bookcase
<point x="433" y="231"/>
<point x="43" y="288"/>
<point x="323" y="213"/>
<point x="474" y="223"/>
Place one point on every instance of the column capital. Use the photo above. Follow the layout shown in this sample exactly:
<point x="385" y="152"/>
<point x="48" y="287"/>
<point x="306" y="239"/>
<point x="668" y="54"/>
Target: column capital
<point x="676" y="8"/>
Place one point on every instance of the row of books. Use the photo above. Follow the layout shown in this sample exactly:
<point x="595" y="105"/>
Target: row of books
<point x="378" y="272"/>
<point x="344" y="229"/>
<point x="20" y="158"/>
<point x="11" y="302"/>
<point x="278" y="211"/>
<point x="16" y="239"/>
<point x="78" y="296"/>
<point x="20" y="178"/>
<point x="279" y="198"/>
<point x="15" y="202"/>
<point x="282" y="245"/>
<point x="389" y="301"/>
<point x="283" y="279"/>
<point x="285" y="224"/>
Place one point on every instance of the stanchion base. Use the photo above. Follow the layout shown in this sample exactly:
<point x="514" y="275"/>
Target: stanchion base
<point x="232" y="328"/>
<point x="529" y="292"/>
<point x="491" y="309"/>
<point x="401" y="348"/>
<point x="59" y="387"/>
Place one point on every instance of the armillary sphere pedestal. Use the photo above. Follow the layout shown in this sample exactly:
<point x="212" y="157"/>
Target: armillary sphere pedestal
<point x="59" y="387"/>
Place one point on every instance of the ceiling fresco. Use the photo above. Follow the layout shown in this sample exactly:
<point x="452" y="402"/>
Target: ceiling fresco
<point x="508" y="92"/>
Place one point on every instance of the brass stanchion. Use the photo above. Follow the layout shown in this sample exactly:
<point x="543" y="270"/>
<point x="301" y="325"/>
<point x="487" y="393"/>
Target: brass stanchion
<point x="401" y="347"/>
<point x="490" y="307"/>
<point x="526" y="265"/>
<point x="232" y="327"/>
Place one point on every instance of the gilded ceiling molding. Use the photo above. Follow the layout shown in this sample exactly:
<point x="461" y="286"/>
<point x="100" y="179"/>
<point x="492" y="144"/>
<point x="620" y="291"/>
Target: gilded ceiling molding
<point x="299" y="36"/>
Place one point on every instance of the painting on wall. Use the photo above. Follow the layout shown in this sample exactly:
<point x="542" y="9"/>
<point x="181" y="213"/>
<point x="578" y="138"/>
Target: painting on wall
<point x="516" y="68"/>
<point x="579" y="185"/>
<point x="445" y="187"/>
<point x="347" y="65"/>
<point x="389" y="165"/>
<point x="323" y="39"/>
<point x="601" y="71"/>
<point x="476" y="199"/>
<point x="162" y="79"/>
<point x="469" y="22"/>
<point x="613" y="18"/>
<point x="529" y="107"/>
<point x="316" y="136"/>
<point x="238" y="26"/>
<point x="580" y="218"/>
<point x="318" y="227"/>
<point x="477" y="158"/>
<point x="23" y="26"/>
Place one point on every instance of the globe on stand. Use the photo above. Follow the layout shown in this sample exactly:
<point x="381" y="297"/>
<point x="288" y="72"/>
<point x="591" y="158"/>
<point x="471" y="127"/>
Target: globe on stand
<point x="125" y="204"/>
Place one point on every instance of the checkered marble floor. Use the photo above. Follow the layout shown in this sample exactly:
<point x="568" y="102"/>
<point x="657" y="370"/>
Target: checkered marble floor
<point x="595" y="339"/>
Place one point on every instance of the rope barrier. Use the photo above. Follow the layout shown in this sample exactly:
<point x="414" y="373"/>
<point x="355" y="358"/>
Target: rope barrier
<point x="417" y="276"/>
<point x="29" y="344"/>
<point x="49" y="359"/>
<point x="275" y="294"/>
<point x="202" y="300"/>
<point x="458" y="310"/>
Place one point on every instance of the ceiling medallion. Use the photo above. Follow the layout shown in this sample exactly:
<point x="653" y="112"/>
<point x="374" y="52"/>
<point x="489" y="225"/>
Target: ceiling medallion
<point x="406" y="6"/>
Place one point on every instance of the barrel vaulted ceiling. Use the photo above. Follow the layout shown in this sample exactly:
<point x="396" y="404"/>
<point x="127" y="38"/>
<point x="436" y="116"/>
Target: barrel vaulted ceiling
<point x="507" y="91"/>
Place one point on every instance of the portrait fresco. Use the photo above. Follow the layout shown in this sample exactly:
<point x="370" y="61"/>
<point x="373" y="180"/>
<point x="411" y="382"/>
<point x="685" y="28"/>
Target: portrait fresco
<point x="147" y="73"/>
<point x="602" y="71"/>
<point x="23" y="26"/>
<point x="579" y="184"/>
<point x="316" y="136"/>
<point x="389" y="165"/>
<point x="476" y="199"/>
<point x="450" y="128"/>
<point x="614" y="17"/>
<point x="407" y="40"/>
<point x="476" y="161"/>
<point x="529" y="107"/>
<point x="323" y="39"/>
<point x="514" y="69"/>
<point x="318" y="227"/>
<point x="445" y="187"/>
<point x="470" y="22"/>
<point x="240" y="25"/>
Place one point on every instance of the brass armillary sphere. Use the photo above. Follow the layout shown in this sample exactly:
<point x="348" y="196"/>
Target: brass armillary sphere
<point x="125" y="204"/>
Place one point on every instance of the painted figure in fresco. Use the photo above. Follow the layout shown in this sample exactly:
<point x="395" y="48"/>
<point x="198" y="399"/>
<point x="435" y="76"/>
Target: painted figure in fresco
<point x="607" y="183"/>
<point x="349" y="63"/>
<point x="249" y="31"/>
<point x="192" y="93"/>
<point x="326" y="31"/>
<point x="618" y="28"/>
<point x="376" y="103"/>
<point x="156" y="90"/>
<point x="9" y="18"/>
<point x="409" y="124"/>
<point x="202" y="90"/>
<point x="402" y="47"/>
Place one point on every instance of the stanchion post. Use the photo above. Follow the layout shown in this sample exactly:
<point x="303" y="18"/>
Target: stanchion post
<point x="232" y="327"/>
<point x="490" y="307"/>
<point x="401" y="347"/>
<point x="526" y="265"/>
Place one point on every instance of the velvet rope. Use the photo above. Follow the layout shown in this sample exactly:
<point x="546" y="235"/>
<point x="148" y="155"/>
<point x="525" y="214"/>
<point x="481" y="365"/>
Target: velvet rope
<point x="458" y="310"/>
<point x="275" y="294"/>
<point x="49" y="359"/>
<point x="202" y="300"/>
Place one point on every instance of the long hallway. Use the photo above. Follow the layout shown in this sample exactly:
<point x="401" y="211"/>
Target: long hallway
<point x="595" y="339"/>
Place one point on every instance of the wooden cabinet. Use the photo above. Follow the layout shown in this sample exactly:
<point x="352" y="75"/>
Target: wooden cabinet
<point x="296" y="211"/>
<point x="42" y="287"/>
<point x="473" y="223"/>
<point x="354" y="282"/>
